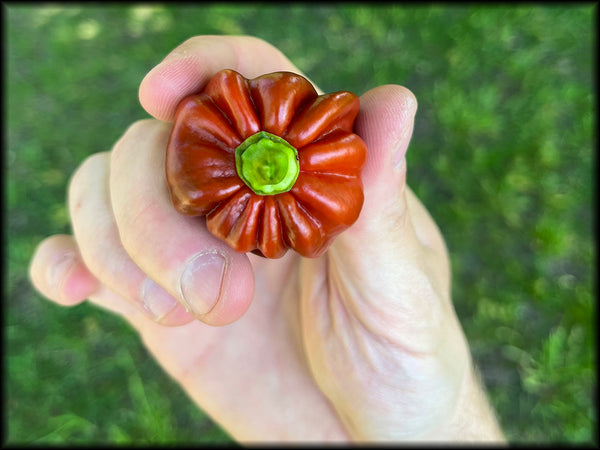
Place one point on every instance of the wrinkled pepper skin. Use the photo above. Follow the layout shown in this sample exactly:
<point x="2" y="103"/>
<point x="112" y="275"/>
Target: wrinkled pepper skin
<point x="325" y="199"/>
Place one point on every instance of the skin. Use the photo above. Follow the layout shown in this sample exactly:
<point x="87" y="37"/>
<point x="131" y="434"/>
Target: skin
<point x="360" y="344"/>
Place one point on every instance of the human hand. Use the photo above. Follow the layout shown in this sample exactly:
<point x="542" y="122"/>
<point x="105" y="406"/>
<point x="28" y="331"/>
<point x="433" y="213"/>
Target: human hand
<point x="360" y="344"/>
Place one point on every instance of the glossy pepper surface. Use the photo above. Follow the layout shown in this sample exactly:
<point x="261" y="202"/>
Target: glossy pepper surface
<point x="269" y="162"/>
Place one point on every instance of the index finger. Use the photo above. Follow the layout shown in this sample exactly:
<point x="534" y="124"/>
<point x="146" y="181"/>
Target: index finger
<point x="189" y="67"/>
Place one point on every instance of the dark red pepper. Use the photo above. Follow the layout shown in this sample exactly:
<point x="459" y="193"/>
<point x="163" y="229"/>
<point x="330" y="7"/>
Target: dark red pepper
<point x="269" y="162"/>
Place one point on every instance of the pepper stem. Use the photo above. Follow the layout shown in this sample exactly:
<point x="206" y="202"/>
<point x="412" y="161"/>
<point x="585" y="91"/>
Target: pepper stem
<point x="267" y="163"/>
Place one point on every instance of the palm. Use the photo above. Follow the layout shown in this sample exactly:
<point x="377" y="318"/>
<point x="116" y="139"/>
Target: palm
<point x="290" y="366"/>
<point x="255" y="366"/>
<point x="377" y="365"/>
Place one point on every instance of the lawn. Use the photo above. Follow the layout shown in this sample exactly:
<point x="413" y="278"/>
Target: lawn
<point x="501" y="156"/>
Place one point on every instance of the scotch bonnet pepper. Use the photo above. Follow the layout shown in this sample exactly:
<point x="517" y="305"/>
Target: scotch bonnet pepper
<point x="269" y="162"/>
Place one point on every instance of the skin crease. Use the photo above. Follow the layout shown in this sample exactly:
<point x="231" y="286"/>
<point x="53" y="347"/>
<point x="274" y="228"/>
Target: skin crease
<point x="359" y="344"/>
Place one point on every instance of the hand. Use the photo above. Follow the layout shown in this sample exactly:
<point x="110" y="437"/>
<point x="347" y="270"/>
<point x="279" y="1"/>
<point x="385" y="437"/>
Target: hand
<point x="360" y="344"/>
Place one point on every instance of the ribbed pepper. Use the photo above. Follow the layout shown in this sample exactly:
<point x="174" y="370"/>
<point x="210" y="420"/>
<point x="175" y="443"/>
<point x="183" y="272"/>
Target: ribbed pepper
<point x="269" y="162"/>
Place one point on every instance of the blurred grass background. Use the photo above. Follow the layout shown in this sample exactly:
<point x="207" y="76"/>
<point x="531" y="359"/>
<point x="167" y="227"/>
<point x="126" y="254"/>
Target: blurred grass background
<point x="501" y="156"/>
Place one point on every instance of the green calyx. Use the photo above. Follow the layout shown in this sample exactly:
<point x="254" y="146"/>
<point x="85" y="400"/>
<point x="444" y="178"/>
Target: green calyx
<point x="267" y="163"/>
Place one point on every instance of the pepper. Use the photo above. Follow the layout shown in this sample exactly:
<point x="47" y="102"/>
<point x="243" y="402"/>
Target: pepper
<point x="270" y="163"/>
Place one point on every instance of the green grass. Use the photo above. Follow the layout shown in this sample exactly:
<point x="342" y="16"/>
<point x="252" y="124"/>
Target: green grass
<point x="501" y="156"/>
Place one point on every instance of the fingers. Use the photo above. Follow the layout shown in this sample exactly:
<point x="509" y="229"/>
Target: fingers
<point x="183" y="71"/>
<point x="100" y="247"/>
<point x="58" y="272"/>
<point x="187" y="69"/>
<point x="210" y="279"/>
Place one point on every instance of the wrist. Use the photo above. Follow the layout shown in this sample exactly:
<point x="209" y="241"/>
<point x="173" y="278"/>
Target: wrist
<point x="473" y="418"/>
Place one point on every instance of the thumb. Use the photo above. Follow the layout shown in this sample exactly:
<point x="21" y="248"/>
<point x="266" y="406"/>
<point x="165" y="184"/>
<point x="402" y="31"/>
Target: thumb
<point x="385" y="123"/>
<point x="381" y="256"/>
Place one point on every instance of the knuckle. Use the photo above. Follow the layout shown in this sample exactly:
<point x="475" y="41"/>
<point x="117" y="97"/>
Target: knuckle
<point x="133" y="226"/>
<point x="81" y="176"/>
<point x="136" y="132"/>
<point x="139" y="126"/>
<point x="89" y="164"/>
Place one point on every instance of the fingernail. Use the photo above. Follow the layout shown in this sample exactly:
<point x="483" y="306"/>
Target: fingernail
<point x="156" y="300"/>
<point x="201" y="282"/>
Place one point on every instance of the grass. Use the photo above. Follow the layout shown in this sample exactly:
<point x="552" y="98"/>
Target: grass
<point x="501" y="156"/>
